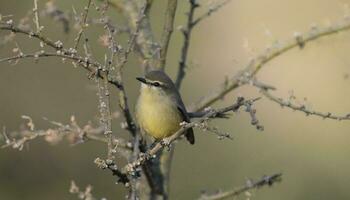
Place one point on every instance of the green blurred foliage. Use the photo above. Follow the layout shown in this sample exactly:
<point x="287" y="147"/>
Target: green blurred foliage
<point x="312" y="153"/>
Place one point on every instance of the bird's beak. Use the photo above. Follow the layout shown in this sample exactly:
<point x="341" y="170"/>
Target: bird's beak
<point x="142" y="80"/>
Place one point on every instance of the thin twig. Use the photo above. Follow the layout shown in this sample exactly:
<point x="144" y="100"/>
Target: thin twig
<point x="187" y="37"/>
<point x="47" y="41"/>
<point x="54" y="135"/>
<point x="264" y="89"/>
<point x="78" y="59"/>
<point x="90" y="65"/>
<point x="167" y="30"/>
<point x="36" y="17"/>
<point x="110" y="165"/>
<point x="250" y="184"/>
<point x="187" y="31"/>
<point x="123" y="101"/>
<point x="166" y="157"/>
<point x="303" y="108"/>
<point x="82" y="24"/>
<point x="147" y="47"/>
<point x="211" y="10"/>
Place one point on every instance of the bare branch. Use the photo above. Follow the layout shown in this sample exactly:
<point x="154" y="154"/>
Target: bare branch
<point x="36" y="17"/>
<point x="90" y="65"/>
<point x="303" y="108"/>
<point x="256" y="64"/>
<point x="167" y="30"/>
<point x="191" y="23"/>
<point x="250" y="184"/>
<point x="123" y="101"/>
<point x="187" y="36"/>
<point x="72" y="131"/>
<point x="82" y="24"/>
<point x="147" y="46"/>
<point x="47" y="41"/>
<point x="104" y="108"/>
<point x="211" y="10"/>
<point x="109" y="164"/>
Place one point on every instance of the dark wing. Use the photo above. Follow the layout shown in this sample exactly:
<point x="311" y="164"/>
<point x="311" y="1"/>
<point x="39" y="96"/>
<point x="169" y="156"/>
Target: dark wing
<point x="189" y="133"/>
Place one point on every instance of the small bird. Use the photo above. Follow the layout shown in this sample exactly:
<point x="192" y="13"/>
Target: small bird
<point x="159" y="108"/>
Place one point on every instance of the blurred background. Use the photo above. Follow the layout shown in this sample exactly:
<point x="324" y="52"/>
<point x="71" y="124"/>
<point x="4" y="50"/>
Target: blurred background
<point x="312" y="153"/>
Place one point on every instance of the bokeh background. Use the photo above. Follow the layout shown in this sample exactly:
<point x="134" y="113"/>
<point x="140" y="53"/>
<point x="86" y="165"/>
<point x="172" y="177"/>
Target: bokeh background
<point x="312" y="153"/>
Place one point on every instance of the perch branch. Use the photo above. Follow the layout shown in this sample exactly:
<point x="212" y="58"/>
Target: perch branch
<point x="143" y="157"/>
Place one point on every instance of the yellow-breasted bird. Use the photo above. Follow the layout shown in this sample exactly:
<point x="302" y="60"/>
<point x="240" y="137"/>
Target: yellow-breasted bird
<point x="159" y="108"/>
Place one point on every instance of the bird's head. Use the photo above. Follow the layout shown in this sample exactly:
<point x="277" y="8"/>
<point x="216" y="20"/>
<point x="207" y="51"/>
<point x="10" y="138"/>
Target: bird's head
<point x="157" y="81"/>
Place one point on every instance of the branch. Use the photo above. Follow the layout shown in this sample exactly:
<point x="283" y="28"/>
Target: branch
<point x="187" y="36"/>
<point x="143" y="157"/>
<point x="78" y="59"/>
<point x="36" y="17"/>
<point x="105" y="112"/>
<point x="110" y="165"/>
<point x="264" y="89"/>
<point x="257" y="63"/>
<point x="191" y="23"/>
<point x="123" y="100"/>
<point x="74" y="133"/>
<point x="211" y="10"/>
<point x="123" y="104"/>
<point x="9" y="26"/>
<point x="303" y="108"/>
<point x="147" y="46"/>
<point x="83" y="61"/>
<point x="82" y="24"/>
<point x="166" y="156"/>
<point x="167" y="30"/>
<point x="250" y="184"/>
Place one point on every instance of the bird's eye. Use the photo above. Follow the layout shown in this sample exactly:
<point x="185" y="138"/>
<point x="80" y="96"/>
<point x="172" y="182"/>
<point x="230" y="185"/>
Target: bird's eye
<point x="157" y="84"/>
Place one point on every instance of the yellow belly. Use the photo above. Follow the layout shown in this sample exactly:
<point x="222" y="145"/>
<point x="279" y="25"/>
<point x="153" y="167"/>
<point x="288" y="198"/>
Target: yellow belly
<point x="158" y="117"/>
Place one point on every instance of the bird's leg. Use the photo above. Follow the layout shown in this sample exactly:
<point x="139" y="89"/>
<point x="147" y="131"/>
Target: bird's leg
<point x="154" y="142"/>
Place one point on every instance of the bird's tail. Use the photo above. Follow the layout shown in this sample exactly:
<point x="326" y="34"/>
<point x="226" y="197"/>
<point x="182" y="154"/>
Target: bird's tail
<point x="190" y="136"/>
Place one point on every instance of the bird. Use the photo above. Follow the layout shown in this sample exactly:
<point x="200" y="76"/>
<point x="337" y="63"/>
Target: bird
<point x="159" y="108"/>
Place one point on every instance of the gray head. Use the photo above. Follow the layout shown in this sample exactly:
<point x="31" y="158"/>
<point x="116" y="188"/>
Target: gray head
<point x="157" y="79"/>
